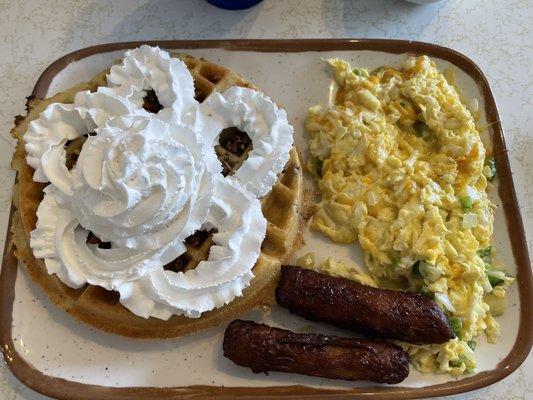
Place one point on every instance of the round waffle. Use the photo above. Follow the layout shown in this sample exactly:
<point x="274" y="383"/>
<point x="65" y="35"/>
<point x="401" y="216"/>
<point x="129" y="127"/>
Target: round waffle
<point x="100" y="308"/>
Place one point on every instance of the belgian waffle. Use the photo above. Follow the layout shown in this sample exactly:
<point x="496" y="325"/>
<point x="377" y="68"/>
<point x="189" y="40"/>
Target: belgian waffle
<point x="100" y="308"/>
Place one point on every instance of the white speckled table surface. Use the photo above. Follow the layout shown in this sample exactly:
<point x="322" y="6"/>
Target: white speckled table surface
<point x="496" y="35"/>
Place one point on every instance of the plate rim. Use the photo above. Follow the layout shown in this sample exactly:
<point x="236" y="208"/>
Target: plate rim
<point x="64" y="389"/>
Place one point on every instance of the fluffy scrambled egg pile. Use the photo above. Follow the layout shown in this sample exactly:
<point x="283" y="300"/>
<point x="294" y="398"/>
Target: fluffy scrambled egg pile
<point x="403" y="171"/>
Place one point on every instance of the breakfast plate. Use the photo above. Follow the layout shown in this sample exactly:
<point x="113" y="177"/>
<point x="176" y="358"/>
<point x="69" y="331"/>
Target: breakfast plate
<point x="57" y="356"/>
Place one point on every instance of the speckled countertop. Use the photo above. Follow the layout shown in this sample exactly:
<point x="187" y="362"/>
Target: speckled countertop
<point x="497" y="35"/>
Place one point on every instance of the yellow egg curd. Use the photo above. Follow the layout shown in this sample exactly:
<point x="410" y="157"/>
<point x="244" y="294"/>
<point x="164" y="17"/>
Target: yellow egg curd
<point x="402" y="170"/>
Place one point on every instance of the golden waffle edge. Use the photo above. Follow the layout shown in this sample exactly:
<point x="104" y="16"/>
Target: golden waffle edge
<point x="100" y="308"/>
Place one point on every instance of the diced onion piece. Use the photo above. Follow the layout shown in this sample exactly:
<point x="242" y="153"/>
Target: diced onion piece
<point x="445" y="301"/>
<point x="469" y="220"/>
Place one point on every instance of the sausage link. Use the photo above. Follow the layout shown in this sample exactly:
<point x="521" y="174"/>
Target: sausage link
<point x="263" y="348"/>
<point x="381" y="313"/>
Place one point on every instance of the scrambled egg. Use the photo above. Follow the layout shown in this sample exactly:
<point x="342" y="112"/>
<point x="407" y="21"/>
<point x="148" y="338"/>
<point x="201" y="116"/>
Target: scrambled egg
<point x="338" y="268"/>
<point x="403" y="171"/>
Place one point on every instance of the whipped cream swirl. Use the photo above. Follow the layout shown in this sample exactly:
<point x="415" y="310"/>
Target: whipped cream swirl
<point x="148" y="68"/>
<point x="266" y="125"/>
<point x="58" y="123"/>
<point x="45" y="142"/>
<point x="102" y="106"/>
<point x="145" y="182"/>
<point x="141" y="185"/>
<point x="241" y="227"/>
<point x="62" y="242"/>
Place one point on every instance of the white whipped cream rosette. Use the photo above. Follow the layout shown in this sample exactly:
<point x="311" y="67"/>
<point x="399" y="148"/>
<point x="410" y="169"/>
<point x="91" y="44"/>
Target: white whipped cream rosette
<point x="272" y="136"/>
<point x="58" y="123"/>
<point x="140" y="184"/>
<point x="102" y="106"/>
<point x="61" y="241"/>
<point x="45" y="141"/>
<point x="145" y="182"/>
<point x="241" y="228"/>
<point x="148" y="68"/>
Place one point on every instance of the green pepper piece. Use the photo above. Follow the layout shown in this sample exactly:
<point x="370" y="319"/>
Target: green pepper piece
<point x="484" y="253"/>
<point x="470" y="370"/>
<point x="459" y="361"/>
<point x="494" y="280"/>
<point x="358" y="72"/>
<point x="462" y="359"/>
<point x="455" y="363"/>
<point x="456" y="323"/>
<point x="415" y="270"/>
<point x="466" y="203"/>
<point x="472" y="344"/>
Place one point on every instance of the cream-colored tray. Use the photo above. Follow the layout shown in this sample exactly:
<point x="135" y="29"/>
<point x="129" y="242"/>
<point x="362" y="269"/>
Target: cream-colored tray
<point x="57" y="356"/>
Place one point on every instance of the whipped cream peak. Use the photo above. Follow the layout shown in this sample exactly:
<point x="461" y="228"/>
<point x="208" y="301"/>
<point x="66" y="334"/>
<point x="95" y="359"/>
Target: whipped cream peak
<point x="60" y="123"/>
<point x="45" y="141"/>
<point x="138" y="185"/>
<point x="144" y="182"/>
<point x="241" y="228"/>
<point x="62" y="242"/>
<point x="150" y="68"/>
<point x="266" y="125"/>
<point x="103" y="105"/>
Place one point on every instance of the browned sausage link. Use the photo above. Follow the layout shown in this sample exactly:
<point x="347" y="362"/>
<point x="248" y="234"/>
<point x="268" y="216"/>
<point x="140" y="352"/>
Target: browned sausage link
<point x="382" y="313"/>
<point x="263" y="348"/>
